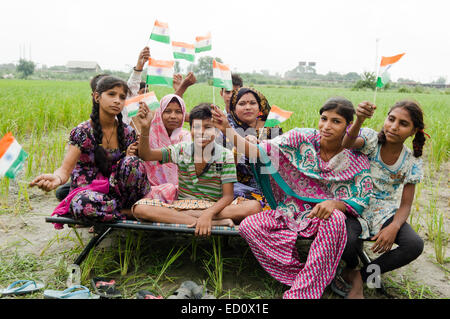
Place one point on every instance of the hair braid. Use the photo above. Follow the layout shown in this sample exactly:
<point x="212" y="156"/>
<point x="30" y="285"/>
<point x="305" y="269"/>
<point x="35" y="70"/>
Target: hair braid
<point x="101" y="158"/>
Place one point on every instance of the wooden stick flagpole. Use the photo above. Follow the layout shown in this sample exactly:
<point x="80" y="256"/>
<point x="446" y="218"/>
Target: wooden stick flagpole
<point x="377" y="70"/>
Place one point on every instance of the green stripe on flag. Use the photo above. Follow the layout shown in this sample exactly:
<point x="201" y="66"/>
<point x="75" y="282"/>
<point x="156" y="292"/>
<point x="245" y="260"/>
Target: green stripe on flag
<point x="184" y="56"/>
<point x="202" y="49"/>
<point x="160" y="38"/>
<point x="380" y="83"/>
<point x="16" y="165"/>
<point x="272" y="122"/>
<point x="133" y="113"/>
<point x="226" y="84"/>
<point x="159" y="80"/>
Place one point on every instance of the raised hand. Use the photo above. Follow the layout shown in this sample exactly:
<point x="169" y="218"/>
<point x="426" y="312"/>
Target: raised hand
<point x="144" y="55"/>
<point x="365" y="110"/>
<point x="177" y="79"/>
<point x="189" y="80"/>
<point x="219" y="118"/>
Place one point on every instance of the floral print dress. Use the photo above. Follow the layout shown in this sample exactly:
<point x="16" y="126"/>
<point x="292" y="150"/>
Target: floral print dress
<point x="127" y="180"/>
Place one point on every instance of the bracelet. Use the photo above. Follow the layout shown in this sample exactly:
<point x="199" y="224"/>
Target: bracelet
<point x="134" y="68"/>
<point x="60" y="179"/>
<point x="346" y="131"/>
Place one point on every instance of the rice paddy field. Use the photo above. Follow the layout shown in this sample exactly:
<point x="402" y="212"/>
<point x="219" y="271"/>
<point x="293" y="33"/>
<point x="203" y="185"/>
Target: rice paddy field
<point x="40" y="114"/>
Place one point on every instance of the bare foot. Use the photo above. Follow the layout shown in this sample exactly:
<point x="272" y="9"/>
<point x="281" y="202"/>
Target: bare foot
<point x="223" y="222"/>
<point x="355" y="279"/>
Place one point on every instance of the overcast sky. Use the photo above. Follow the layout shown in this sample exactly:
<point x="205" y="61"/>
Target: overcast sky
<point x="248" y="35"/>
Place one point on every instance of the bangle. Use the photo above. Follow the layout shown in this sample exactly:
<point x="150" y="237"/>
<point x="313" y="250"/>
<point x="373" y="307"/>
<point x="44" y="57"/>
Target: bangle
<point x="60" y="179"/>
<point x="346" y="131"/>
<point x="134" y="68"/>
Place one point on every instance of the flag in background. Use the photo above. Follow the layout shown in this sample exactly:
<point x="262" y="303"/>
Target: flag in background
<point x="160" y="72"/>
<point x="203" y="43"/>
<point x="184" y="51"/>
<point x="222" y="76"/>
<point x="277" y="116"/>
<point x="160" y="32"/>
<point x="385" y="65"/>
<point x="12" y="156"/>
<point x="132" y="104"/>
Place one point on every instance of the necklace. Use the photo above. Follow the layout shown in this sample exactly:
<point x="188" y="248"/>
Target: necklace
<point x="108" y="140"/>
<point x="327" y="156"/>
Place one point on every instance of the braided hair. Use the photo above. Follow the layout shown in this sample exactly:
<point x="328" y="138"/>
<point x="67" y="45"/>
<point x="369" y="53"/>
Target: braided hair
<point x="101" y="158"/>
<point x="416" y="114"/>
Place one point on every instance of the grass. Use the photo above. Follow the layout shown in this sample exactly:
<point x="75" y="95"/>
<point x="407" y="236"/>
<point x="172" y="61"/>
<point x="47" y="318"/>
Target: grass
<point x="41" y="114"/>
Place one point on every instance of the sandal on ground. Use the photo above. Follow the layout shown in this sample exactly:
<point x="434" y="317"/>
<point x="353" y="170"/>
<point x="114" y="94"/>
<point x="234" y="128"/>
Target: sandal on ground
<point x="105" y="288"/>
<point x="182" y="293"/>
<point x="145" y="294"/>
<point x="21" y="287"/>
<point x="206" y="294"/>
<point x="74" y="292"/>
<point x="195" y="289"/>
<point x="340" y="287"/>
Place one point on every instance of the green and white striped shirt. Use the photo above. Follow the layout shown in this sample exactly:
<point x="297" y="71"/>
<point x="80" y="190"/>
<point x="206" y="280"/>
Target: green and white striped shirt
<point x="220" y="170"/>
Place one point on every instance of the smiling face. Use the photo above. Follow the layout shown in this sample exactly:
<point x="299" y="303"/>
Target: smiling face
<point x="247" y="108"/>
<point x="172" y="117"/>
<point x="203" y="132"/>
<point x="111" y="101"/>
<point x="398" y="126"/>
<point x="332" y="126"/>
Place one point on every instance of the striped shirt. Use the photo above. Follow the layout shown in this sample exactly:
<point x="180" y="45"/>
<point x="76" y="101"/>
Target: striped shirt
<point x="220" y="170"/>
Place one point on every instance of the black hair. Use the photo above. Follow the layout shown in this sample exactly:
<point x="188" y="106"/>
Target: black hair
<point x="236" y="80"/>
<point x="200" y="112"/>
<point x="416" y="114"/>
<point x="142" y="85"/>
<point x="102" y="160"/>
<point x="341" y="106"/>
<point x="95" y="80"/>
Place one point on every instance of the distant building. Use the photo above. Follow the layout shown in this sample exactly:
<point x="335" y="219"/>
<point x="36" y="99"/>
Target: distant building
<point x="81" y="66"/>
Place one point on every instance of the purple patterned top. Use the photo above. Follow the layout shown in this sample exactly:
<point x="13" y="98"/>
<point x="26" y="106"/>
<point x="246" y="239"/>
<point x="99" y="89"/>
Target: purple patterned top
<point x="82" y="136"/>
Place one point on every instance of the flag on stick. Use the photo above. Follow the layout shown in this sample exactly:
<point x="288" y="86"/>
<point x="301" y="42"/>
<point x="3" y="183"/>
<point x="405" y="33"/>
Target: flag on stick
<point x="276" y="116"/>
<point x="160" y="32"/>
<point x="385" y="65"/>
<point x="203" y="43"/>
<point x="160" y="72"/>
<point x="12" y="156"/>
<point x="183" y="51"/>
<point x="132" y="104"/>
<point x="222" y="76"/>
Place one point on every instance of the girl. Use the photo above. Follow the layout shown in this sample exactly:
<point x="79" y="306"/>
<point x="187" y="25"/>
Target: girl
<point x="311" y="183"/>
<point x="395" y="170"/>
<point x="165" y="130"/>
<point x="105" y="182"/>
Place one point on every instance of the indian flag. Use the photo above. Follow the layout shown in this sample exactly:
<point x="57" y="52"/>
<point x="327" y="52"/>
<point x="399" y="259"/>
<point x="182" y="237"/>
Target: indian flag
<point x="132" y="104"/>
<point x="385" y="65"/>
<point x="203" y="43"/>
<point x="160" y="32"/>
<point x="222" y="76"/>
<point x="276" y="116"/>
<point x="12" y="156"/>
<point x="184" y="51"/>
<point x="160" y="72"/>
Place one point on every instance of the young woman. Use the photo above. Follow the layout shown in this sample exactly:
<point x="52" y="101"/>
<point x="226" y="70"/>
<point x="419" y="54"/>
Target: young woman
<point x="104" y="181"/>
<point x="311" y="183"/>
<point x="395" y="170"/>
<point x="166" y="129"/>
<point x="248" y="111"/>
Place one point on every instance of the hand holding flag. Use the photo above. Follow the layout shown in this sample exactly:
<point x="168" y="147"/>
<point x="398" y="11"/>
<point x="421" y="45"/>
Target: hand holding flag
<point x="277" y="116"/>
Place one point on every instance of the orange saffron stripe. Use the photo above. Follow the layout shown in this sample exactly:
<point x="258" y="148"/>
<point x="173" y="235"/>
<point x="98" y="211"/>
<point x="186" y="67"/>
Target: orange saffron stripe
<point x="386" y="60"/>
<point x="5" y="143"/>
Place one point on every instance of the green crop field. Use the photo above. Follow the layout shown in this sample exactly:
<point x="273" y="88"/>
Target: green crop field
<point x="40" y="114"/>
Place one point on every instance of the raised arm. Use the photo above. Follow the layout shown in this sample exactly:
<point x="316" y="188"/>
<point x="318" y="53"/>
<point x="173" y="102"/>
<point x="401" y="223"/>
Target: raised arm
<point x="189" y="80"/>
<point x="144" y="119"/>
<point x="135" y="77"/>
<point x="351" y="138"/>
<point x="243" y="146"/>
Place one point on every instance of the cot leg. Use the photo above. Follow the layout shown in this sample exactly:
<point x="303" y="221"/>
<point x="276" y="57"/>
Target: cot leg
<point x="92" y="243"/>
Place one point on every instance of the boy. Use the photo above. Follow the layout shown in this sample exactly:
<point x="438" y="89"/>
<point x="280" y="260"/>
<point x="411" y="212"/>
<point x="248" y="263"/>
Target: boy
<point x="206" y="173"/>
<point x="226" y="95"/>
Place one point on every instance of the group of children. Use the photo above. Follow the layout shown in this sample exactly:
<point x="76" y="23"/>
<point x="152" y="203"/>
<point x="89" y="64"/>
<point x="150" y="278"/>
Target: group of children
<point x="149" y="168"/>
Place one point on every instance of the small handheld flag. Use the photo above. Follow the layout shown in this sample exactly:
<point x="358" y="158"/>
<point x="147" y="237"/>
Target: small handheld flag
<point x="183" y="51"/>
<point x="385" y="65"/>
<point x="160" y="72"/>
<point x="203" y="43"/>
<point x="160" y="32"/>
<point x="222" y="76"/>
<point x="12" y="156"/>
<point x="277" y="116"/>
<point x="132" y="104"/>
